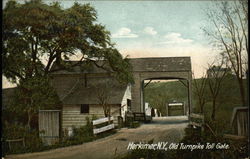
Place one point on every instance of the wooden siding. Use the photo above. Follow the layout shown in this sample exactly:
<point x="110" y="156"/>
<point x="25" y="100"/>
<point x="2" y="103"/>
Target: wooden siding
<point x="239" y="121"/>
<point x="49" y="125"/>
<point x="71" y="115"/>
<point x="127" y="95"/>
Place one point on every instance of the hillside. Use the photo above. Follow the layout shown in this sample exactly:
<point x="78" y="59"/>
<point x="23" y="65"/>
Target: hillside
<point x="157" y="94"/>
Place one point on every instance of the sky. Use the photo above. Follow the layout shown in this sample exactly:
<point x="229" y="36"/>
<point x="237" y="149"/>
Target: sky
<point x="156" y="29"/>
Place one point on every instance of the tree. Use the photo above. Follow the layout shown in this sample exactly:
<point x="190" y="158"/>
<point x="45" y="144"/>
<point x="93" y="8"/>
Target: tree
<point x="200" y="91"/>
<point x="215" y="77"/>
<point x="103" y="97"/>
<point x="229" y="32"/>
<point x="31" y="96"/>
<point x="38" y="35"/>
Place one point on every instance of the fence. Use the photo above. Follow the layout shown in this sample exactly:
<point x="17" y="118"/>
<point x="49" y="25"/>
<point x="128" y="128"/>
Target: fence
<point x="103" y="124"/>
<point x="239" y="121"/>
<point x="16" y="141"/>
<point x="49" y="125"/>
<point x="196" y="120"/>
<point x="139" y="116"/>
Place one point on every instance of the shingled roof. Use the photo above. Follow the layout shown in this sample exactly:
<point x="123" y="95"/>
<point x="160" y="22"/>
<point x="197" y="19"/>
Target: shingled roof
<point x="159" y="64"/>
<point x="89" y="95"/>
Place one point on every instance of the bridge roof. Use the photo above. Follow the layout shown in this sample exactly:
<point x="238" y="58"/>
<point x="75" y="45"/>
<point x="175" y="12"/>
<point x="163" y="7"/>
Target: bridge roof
<point x="152" y="64"/>
<point x="161" y="64"/>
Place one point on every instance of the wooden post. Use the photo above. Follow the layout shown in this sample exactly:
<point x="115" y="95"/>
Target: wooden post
<point x="9" y="145"/>
<point x="23" y="142"/>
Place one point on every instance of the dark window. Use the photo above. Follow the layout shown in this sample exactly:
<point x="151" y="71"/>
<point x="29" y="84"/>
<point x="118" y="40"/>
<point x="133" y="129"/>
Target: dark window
<point x="129" y="104"/>
<point x="84" y="108"/>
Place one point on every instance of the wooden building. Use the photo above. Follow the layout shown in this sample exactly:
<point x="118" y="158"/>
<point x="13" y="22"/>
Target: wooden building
<point x="82" y="92"/>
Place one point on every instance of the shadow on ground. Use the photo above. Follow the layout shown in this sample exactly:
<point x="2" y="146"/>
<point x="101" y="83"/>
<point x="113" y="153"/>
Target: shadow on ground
<point x="169" y="120"/>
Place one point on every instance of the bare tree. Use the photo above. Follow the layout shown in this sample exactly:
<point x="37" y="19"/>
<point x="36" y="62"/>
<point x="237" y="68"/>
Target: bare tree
<point x="103" y="98"/>
<point x="199" y="91"/>
<point x="216" y="74"/>
<point x="229" y="32"/>
<point x="104" y="95"/>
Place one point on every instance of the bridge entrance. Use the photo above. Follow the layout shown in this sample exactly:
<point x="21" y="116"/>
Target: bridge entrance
<point x="165" y="97"/>
<point x="162" y="68"/>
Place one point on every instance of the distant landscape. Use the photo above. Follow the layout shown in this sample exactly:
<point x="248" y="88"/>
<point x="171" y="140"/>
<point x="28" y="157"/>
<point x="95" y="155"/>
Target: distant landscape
<point x="157" y="94"/>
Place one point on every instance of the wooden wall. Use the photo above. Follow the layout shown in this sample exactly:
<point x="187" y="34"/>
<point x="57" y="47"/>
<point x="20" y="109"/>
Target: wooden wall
<point x="240" y="121"/>
<point x="49" y="122"/>
<point x="71" y="115"/>
<point x="127" y="95"/>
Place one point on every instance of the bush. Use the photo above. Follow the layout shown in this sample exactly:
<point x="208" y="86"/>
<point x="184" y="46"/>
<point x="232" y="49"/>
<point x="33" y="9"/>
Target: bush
<point x="130" y="123"/>
<point x="33" y="142"/>
<point x="14" y="131"/>
<point x="85" y="134"/>
<point x="135" y="124"/>
<point x="194" y="136"/>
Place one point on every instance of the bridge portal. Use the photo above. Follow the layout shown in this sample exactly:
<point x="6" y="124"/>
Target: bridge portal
<point x="159" y="68"/>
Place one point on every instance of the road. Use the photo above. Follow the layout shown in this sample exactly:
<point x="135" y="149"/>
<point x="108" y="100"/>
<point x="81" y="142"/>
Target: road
<point x="162" y="129"/>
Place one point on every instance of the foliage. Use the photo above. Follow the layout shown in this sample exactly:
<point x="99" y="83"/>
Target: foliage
<point x="85" y="134"/>
<point x="194" y="136"/>
<point x="200" y="91"/>
<point x="34" y="144"/>
<point x="228" y="32"/>
<point x="157" y="94"/>
<point x="238" y="149"/>
<point x="134" y="124"/>
<point x="228" y="98"/>
<point x="38" y="35"/>
<point x="32" y="95"/>
<point x="103" y="97"/>
<point x="129" y="121"/>
<point x="31" y="138"/>
<point x="216" y="76"/>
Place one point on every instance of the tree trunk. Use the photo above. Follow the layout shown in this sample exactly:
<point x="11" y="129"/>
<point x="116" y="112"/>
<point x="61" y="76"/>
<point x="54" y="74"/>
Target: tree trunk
<point x="242" y="91"/>
<point x="202" y="109"/>
<point x="213" y="110"/>
<point x="29" y="119"/>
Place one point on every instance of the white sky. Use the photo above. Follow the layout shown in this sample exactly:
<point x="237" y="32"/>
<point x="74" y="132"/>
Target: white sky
<point x="155" y="29"/>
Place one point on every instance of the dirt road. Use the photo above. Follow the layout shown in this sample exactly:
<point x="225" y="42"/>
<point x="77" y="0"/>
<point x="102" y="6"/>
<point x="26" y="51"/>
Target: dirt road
<point x="161" y="129"/>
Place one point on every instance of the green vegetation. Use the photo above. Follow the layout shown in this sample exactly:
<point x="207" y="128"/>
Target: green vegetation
<point x="50" y="35"/>
<point x="130" y="123"/>
<point x="34" y="144"/>
<point x="38" y="37"/>
<point x="160" y="93"/>
<point x="236" y="150"/>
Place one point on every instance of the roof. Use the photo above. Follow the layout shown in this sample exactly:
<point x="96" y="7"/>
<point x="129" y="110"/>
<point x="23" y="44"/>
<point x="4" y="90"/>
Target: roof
<point x="89" y="95"/>
<point x="84" y="67"/>
<point x="161" y="64"/>
<point x="156" y="64"/>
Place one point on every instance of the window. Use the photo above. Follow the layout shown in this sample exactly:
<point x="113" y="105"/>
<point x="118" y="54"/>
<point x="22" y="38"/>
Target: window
<point x="84" y="108"/>
<point x="129" y="104"/>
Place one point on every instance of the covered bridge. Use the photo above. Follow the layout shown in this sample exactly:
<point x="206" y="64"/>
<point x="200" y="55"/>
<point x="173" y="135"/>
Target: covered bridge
<point x="78" y="88"/>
